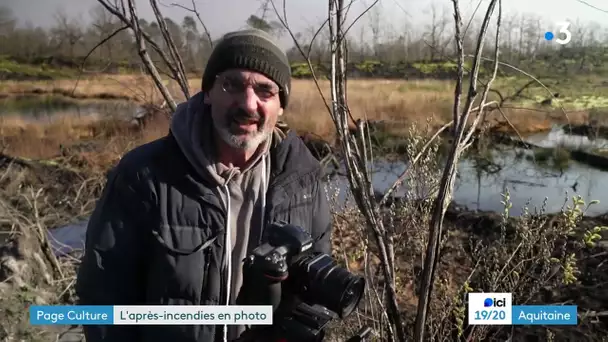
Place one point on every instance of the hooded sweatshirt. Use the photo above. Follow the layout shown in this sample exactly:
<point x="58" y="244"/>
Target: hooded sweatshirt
<point x="242" y="190"/>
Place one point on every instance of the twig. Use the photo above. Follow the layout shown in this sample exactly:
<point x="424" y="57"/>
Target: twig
<point x="43" y="239"/>
<point x="122" y="15"/>
<point x="592" y="6"/>
<point x="180" y="75"/>
<point x="534" y="78"/>
<point x="145" y="57"/>
<point x="357" y="177"/>
<point x="413" y="162"/>
<point x="359" y="17"/>
<point x="103" y="41"/>
<point x="200" y="20"/>
<point x="308" y="62"/>
<point x="448" y="176"/>
<point x="593" y="314"/>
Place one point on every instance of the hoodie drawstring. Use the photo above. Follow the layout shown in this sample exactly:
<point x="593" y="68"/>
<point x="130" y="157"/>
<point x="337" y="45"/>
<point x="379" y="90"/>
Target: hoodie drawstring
<point x="228" y="237"/>
<point x="264" y="186"/>
<point x="228" y="251"/>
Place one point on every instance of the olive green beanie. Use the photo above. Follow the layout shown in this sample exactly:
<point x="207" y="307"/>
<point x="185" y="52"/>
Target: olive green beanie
<point x="254" y="50"/>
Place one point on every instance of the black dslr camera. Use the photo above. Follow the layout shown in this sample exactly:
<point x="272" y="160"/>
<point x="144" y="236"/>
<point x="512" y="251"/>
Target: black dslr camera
<point x="306" y="289"/>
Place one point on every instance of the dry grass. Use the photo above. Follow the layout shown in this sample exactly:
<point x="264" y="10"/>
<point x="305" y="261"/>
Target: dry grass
<point x="106" y="139"/>
<point x="398" y="102"/>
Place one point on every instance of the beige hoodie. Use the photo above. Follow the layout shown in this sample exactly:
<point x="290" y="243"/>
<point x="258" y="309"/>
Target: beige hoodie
<point x="243" y="191"/>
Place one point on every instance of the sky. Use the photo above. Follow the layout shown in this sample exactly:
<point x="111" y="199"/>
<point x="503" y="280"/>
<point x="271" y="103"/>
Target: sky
<point x="222" y="16"/>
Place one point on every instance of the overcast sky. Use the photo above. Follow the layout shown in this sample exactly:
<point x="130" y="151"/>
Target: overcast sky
<point x="222" y="16"/>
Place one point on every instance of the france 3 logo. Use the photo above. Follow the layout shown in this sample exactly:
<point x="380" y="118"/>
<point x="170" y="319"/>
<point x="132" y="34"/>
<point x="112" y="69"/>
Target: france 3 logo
<point x="490" y="308"/>
<point x="563" y="35"/>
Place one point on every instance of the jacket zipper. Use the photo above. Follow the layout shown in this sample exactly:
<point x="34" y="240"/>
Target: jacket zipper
<point x="207" y="256"/>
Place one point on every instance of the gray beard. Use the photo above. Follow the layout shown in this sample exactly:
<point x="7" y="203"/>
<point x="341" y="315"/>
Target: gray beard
<point x="251" y="141"/>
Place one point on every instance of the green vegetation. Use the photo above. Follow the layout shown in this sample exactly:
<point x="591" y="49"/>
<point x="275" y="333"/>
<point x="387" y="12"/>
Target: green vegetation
<point x="36" y="103"/>
<point x="12" y="70"/>
<point x="431" y="68"/>
<point x="368" y="66"/>
<point x="300" y="70"/>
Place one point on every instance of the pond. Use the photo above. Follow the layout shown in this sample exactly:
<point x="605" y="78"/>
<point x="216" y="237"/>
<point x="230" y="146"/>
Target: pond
<point x="528" y="182"/>
<point x="49" y="107"/>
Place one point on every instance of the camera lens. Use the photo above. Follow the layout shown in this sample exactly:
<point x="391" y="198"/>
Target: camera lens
<point x="331" y="285"/>
<point x="348" y="288"/>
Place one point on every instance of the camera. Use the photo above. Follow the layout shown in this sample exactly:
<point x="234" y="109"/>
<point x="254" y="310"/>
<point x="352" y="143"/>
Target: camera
<point x="307" y="289"/>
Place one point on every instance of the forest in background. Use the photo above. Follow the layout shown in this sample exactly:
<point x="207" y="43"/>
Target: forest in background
<point x="378" y="49"/>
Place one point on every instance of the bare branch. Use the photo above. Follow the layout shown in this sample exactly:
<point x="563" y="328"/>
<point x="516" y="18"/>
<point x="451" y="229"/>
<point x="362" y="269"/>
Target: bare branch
<point x="360" y="15"/>
<point x="482" y="114"/>
<point x="122" y="15"/>
<point x="359" y="179"/>
<point x="181" y="77"/>
<point x="198" y="16"/>
<point x="448" y="177"/>
<point x="413" y="162"/>
<point x="592" y="6"/>
<point x="299" y="47"/>
<point x="110" y="36"/>
<point x="145" y="57"/>
<point x="314" y="37"/>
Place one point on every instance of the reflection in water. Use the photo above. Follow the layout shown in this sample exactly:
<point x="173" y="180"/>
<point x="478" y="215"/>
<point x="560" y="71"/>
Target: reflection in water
<point x="526" y="182"/>
<point x="50" y="107"/>
<point x="529" y="183"/>
<point x="557" y="137"/>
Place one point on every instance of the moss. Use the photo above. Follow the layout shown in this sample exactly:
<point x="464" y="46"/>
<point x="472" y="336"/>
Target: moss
<point x="300" y="70"/>
<point x="437" y="67"/>
<point x="368" y="65"/>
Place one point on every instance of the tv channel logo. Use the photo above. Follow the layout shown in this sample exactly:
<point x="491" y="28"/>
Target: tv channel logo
<point x="489" y="302"/>
<point x="490" y="308"/>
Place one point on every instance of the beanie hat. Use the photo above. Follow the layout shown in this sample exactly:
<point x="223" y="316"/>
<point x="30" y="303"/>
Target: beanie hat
<point x="254" y="50"/>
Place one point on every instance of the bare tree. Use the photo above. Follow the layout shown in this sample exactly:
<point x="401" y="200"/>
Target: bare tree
<point x="195" y="11"/>
<point x="356" y="158"/>
<point x="374" y="27"/>
<point x="126" y="12"/>
<point x="436" y="32"/>
<point x="7" y="20"/>
<point x="104" y="24"/>
<point x="265" y="21"/>
<point x="68" y="32"/>
<point x="462" y="140"/>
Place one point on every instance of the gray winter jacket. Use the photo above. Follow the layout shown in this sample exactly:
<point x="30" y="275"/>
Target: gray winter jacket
<point x="156" y="236"/>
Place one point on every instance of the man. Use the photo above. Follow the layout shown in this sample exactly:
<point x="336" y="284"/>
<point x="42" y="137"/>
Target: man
<point x="226" y="170"/>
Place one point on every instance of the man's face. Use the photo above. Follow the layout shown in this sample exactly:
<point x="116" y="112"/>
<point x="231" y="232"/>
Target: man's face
<point x="245" y="107"/>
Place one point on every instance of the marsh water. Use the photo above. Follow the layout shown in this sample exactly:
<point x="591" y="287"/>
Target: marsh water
<point x="529" y="182"/>
<point x="49" y="107"/>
